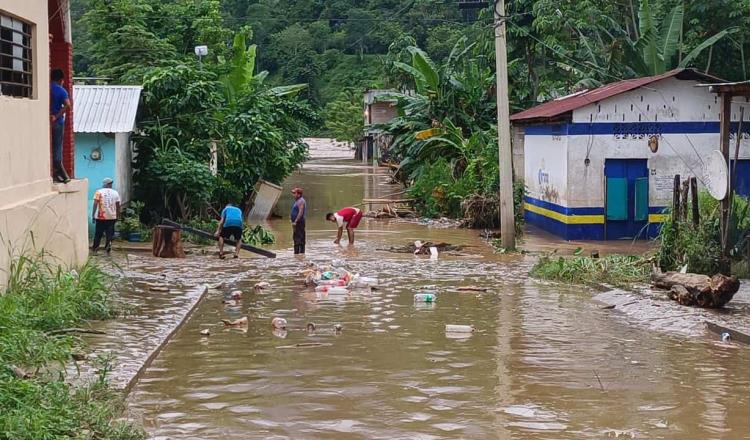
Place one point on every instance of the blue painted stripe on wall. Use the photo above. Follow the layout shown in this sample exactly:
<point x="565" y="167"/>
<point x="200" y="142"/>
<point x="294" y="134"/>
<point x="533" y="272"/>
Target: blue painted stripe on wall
<point x="564" y="209"/>
<point x="604" y="128"/>
<point x="582" y="211"/>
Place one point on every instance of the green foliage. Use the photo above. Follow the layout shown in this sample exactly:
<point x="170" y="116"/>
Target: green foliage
<point x="256" y="131"/>
<point x="616" y="270"/>
<point x="680" y="242"/>
<point x="257" y="235"/>
<point x="41" y="299"/>
<point x="131" y="221"/>
<point x="343" y="117"/>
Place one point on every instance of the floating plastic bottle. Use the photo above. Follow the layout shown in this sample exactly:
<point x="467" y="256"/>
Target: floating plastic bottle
<point x="336" y="290"/>
<point x="455" y="328"/>
<point x="278" y="323"/>
<point x="427" y="297"/>
<point x="358" y="281"/>
<point x="327" y="275"/>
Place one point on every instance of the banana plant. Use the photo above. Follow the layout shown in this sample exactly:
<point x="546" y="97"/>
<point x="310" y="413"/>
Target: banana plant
<point x="242" y="78"/>
<point x="658" y="44"/>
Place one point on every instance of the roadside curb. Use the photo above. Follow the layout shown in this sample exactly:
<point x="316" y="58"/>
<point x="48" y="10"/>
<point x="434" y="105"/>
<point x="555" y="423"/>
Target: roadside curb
<point x="165" y="340"/>
<point x="647" y="308"/>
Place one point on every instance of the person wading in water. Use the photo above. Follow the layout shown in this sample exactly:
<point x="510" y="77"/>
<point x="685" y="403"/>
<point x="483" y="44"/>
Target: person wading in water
<point x="299" y="209"/>
<point x="349" y="217"/>
<point x="230" y="227"/>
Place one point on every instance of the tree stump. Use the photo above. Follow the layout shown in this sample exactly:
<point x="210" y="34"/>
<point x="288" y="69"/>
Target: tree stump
<point x="167" y="242"/>
<point x="692" y="289"/>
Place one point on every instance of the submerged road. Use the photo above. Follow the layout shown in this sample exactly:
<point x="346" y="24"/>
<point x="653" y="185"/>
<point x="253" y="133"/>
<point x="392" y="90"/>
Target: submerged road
<point x="546" y="362"/>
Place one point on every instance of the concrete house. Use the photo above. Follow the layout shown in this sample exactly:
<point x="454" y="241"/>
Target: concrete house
<point x="36" y="214"/>
<point x="600" y="164"/>
<point x="376" y="111"/>
<point x="104" y="121"/>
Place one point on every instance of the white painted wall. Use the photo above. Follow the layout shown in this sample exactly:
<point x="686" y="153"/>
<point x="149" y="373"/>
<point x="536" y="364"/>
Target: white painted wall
<point x="123" y="166"/>
<point x="545" y="168"/>
<point x="669" y="100"/>
<point x="681" y="154"/>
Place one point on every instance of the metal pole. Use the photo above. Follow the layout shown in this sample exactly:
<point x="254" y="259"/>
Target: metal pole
<point x="507" y="217"/>
<point x="725" y="128"/>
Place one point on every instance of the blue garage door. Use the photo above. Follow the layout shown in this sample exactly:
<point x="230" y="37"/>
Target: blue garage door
<point x="627" y="198"/>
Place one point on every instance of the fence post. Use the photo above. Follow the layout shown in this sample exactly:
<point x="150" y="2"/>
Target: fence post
<point x="676" y="199"/>
<point x="694" y="194"/>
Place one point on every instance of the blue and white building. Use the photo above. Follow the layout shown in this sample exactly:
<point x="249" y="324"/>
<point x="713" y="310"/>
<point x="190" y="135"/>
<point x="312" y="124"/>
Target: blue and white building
<point x="600" y="164"/>
<point x="104" y="120"/>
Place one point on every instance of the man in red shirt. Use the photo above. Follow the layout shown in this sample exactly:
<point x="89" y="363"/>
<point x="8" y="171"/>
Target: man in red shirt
<point x="349" y="217"/>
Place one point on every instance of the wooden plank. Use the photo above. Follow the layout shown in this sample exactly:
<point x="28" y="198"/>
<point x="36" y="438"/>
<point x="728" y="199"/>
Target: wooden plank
<point x="735" y="334"/>
<point x="210" y="236"/>
<point x="388" y="200"/>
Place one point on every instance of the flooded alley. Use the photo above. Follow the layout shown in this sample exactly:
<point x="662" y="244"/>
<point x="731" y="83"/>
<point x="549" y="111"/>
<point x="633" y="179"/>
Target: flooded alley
<point x="545" y="361"/>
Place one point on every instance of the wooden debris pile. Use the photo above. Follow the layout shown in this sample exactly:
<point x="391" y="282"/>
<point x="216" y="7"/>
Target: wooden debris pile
<point x="691" y="289"/>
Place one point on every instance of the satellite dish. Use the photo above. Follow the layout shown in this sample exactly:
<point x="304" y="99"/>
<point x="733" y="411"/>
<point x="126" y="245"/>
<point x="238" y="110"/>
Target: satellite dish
<point x="715" y="175"/>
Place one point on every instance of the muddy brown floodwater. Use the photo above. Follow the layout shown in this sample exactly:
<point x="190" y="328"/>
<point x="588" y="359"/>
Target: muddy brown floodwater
<point x="545" y="363"/>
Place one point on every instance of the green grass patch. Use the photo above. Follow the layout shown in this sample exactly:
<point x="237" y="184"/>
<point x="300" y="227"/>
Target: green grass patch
<point x="36" y="402"/>
<point x="617" y="270"/>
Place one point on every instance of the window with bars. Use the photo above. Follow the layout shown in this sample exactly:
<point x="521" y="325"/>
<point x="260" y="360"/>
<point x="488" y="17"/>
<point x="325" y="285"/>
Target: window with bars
<point x="15" y="57"/>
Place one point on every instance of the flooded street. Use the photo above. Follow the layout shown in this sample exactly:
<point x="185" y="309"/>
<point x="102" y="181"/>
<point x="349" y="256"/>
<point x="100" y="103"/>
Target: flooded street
<point x="546" y="362"/>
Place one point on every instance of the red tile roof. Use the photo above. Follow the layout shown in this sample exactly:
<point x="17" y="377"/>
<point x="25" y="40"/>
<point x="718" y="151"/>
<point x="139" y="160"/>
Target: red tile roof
<point x="560" y="106"/>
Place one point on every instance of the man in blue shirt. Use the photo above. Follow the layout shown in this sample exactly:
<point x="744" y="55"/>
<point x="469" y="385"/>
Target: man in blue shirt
<point x="59" y="105"/>
<point x="230" y="227"/>
<point x="299" y="209"/>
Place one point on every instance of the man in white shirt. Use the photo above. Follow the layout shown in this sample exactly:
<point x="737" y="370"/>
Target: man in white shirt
<point x="106" y="212"/>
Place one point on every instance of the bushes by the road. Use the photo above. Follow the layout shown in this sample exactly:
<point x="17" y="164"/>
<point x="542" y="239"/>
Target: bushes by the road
<point x="36" y="402"/>
<point x="613" y="269"/>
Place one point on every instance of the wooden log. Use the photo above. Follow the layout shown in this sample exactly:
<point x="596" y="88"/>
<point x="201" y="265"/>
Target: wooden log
<point x="210" y="236"/>
<point x="167" y="242"/>
<point x="697" y="290"/>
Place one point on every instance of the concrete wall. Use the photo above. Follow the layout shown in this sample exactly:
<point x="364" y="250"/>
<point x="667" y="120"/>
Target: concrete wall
<point x="123" y="166"/>
<point x="517" y="139"/>
<point x="34" y="213"/>
<point x="545" y="170"/>
<point x="380" y="112"/>
<point x="94" y="170"/>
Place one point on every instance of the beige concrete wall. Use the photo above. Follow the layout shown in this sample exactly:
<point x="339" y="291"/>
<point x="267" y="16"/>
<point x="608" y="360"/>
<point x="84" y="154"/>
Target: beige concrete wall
<point x="34" y="213"/>
<point x="382" y="112"/>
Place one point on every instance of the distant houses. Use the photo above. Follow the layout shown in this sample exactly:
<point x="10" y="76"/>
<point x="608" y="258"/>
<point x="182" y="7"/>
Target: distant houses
<point x="378" y="109"/>
<point x="600" y="164"/>
<point x="104" y="121"/>
<point x="36" y="214"/>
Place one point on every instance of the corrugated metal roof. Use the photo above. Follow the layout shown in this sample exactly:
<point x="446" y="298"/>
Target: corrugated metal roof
<point x="105" y="109"/>
<point x="569" y="103"/>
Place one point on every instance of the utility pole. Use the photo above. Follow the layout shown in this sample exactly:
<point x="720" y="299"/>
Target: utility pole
<point x="507" y="217"/>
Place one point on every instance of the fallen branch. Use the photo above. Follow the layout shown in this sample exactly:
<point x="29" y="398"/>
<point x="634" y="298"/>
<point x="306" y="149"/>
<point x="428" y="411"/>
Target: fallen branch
<point x="76" y="330"/>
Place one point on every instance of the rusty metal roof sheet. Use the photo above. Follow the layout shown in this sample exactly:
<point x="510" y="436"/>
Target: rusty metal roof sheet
<point x="561" y="106"/>
<point x="105" y="109"/>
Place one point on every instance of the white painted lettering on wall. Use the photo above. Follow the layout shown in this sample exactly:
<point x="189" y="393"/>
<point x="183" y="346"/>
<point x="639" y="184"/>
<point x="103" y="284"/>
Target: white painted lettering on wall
<point x="662" y="183"/>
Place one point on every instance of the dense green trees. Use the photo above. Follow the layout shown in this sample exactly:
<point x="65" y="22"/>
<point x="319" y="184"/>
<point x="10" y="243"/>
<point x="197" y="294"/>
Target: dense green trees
<point x="341" y="47"/>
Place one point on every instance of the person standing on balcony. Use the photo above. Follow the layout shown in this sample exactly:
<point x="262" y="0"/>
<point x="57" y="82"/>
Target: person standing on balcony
<point x="59" y="106"/>
<point x="106" y="212"/>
